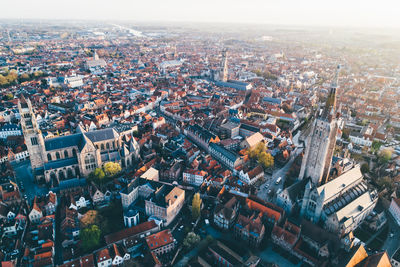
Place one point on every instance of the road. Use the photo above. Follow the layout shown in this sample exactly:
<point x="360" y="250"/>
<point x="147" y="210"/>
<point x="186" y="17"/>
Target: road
<point x="23" y="173"/>
<point x="270" y="183"/>
<point x="392" y="243"/>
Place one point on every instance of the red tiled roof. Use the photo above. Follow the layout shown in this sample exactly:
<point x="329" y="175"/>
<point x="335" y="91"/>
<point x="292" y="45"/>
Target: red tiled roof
<point x="135" y="230"/>
<point x="159" y="239"/>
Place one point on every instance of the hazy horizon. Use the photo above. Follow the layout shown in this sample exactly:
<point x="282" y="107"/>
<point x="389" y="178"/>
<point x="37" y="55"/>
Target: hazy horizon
<point x="369" y="14"/>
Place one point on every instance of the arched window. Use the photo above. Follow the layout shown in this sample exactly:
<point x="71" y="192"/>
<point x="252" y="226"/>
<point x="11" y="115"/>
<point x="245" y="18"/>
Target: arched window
<point x="61" y="175"/>
<point x="57" y="155"/>
<point x="108" y="146"/>
<point x="49" y="157"/>
<point x="70" y="173"/>
<point x="66" y="154"/>
<point x="102" y="146"/>
<point x="74" y="152"/>
<point x="90" y="162"/>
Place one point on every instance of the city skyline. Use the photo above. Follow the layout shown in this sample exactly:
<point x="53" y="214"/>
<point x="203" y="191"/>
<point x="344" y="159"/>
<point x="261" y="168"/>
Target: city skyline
<point x="308" y="13"/>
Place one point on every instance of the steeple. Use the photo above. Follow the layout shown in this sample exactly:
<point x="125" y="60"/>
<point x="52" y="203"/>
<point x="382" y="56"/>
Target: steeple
<point x="95" y="55"/>
<point x="224" y="66"/>
<point x="329" y="111"/>
<point x="320" y="144"/>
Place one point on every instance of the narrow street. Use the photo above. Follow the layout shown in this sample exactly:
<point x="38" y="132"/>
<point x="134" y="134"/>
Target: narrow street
<point x="392" y="243"/>
<point x="23" y="173"/>
<point x="270" y="183"/>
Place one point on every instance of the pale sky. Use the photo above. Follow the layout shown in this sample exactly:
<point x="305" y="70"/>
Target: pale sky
<point x="358" y="13"/>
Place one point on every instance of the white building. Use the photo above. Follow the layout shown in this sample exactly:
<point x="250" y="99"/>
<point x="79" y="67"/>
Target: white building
<point x="9" y="130"/>
<point x="194" y="177"/>
<point x="394" y="209"/>
<point x="358" y="139"/>
<point x="251" y="176"/>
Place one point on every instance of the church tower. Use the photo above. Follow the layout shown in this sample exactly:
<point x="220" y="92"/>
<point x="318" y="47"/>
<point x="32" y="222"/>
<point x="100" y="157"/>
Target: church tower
<point x="95" y="55"/>
<point x="32" y="134"/>
<point x="224" y="66"/>
<point x="320" y="144"/>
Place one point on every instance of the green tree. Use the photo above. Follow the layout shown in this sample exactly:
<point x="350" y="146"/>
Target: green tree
<point x="111" y="168"/>
<point x="190" y="240"/>
<point x="385" y="155"/>
<point x="3" y="80"/>
<point x="9" y="96"/>
<point x="266" y="159"/>
<point x="196" y="206"/>
<point x="256" y="151"/>
<point x="97" y="175"/>
<point x="24" y="77"/>
<point x="385" y="183"/>
<point x="90" y="237"/>
<point x="43" y="82"/>
<point x="376" y="145"/>
<point x="365" y="168"/>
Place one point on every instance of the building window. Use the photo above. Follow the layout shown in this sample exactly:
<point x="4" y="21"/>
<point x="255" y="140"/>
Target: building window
<point x="34" y="141"/>
<point x="66" y="154"/>
<point x="90" y="162"/>
<point x="49" y="157"/>
<point x="57" y="155"/>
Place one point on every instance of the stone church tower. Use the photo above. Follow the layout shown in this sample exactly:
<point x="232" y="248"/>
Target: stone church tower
<point x="320" y="144"/>
<point x="224" y="66"/>
<point x="32" y="134"/>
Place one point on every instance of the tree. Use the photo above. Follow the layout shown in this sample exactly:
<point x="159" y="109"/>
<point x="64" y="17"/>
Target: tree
<point x="97" y="175"/>
<point x="111" y="168"/>
<point x="190" y="240"/>
<point x="266" y="159"/>
<point x="385" y="155"/>
<point x="91" y="217"/>
<point x="256" y="151"/>
<point x="90" y="237"/>
<point x="385" y="183"/>
<point x="365" y="168"/>
<point x="24" y="77"/>
<point x="43" y="82"/>
<point x="376" y="145"/>
<point x="196" y="206"/>
<point x="9" y="96"/>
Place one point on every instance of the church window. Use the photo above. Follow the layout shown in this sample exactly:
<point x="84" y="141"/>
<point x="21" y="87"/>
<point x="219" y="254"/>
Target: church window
<point x="34" y="141"/>
<point x="102" y="146"/>
<point x="49" y="157"/>
<point x="74" y="152"/>
<point x="90" y="162"/>
<point x="311" y="206"/>
<point x="108" y="146"/>
<point x="66" y="154"/>
<point x="57" y="155"/>
<point x="313" y="197"/>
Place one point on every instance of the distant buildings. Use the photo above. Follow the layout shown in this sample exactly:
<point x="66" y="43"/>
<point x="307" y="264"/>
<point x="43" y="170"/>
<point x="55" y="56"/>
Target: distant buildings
<point x="95" y="65"/>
